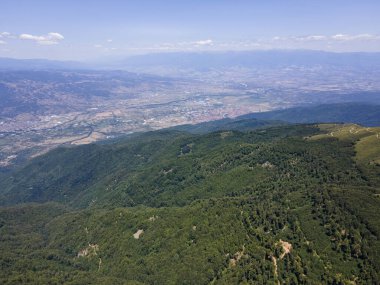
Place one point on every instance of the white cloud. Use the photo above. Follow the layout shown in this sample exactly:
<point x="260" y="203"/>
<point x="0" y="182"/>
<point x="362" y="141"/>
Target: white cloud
<point x="31" y="37"/>
<point x="204" y="42"/>
<point x="338" y="42"/>
<point x="48" y="39"/>
<point x="325" y="38"/>
<point x="343" y="37"/>
<point x="6" y="35"/>
<point x="55" y="36"/>
<point x="2" y="42"/>
<point x="109" y="41"/>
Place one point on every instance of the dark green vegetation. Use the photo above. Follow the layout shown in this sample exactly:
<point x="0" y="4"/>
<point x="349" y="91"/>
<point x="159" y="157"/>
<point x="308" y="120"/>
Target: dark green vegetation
<point x="228" y="124"/>
<point x="282" y="205"/>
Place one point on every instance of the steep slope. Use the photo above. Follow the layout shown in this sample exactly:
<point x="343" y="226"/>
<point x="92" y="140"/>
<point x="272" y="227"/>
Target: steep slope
<point x="64" y="173"/>
<point x="155" y="169"/>
<point x="282" y="205"/>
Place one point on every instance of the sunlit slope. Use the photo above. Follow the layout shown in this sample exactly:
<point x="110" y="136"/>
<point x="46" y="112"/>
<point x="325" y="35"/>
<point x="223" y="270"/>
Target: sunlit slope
<point x="368" y="148"/>
<point x="366" y="142"/>
<point x="361" y="201"/>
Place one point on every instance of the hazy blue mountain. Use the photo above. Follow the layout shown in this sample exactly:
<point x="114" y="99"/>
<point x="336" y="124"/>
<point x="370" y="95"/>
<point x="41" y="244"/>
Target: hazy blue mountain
<point x="38" y="64"/>
<point x="360" y="113"/>
<point x="251" y="59"/>
<point x="208" y="60"/>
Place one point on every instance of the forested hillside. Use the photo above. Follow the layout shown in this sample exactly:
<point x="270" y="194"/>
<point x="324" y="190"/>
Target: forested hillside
<point x="281" y="205"/>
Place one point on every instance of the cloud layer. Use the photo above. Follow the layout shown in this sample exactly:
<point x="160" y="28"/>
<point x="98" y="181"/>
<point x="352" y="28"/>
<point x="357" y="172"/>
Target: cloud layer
<point x="48" y="39"/>
<point x="13" y="44"/>
<point x="336" y="37"/>
<point x="336" y="42"/>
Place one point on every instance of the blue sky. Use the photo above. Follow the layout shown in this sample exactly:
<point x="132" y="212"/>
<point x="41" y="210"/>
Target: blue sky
<point x="84" y="29"/>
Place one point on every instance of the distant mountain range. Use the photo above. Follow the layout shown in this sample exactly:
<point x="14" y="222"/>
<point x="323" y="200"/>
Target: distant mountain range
<point x="38" y="64"/>
<point x="250" y="59"/>
<point x="208" y="60"/>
